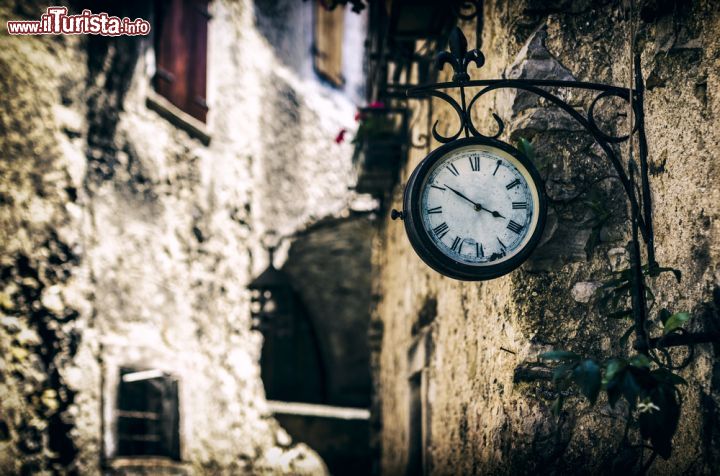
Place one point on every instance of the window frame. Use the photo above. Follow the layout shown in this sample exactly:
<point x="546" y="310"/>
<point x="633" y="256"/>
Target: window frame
<point x="168" y="414"/>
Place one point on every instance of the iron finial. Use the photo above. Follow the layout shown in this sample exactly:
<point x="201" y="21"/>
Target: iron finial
<point x="459" y="57"/>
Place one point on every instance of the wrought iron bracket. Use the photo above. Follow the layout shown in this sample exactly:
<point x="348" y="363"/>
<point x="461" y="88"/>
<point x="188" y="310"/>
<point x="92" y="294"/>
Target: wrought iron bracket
<point x="637" y="189"/>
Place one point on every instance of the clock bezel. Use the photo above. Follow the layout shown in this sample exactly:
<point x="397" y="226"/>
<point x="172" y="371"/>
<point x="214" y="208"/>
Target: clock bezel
<point x="428" y="251"/>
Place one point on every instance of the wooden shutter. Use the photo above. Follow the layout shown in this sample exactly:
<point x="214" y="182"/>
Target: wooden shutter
<point x="181" y="54"/>
<point x="329" y="25"/>
<point x="198" y="25"/>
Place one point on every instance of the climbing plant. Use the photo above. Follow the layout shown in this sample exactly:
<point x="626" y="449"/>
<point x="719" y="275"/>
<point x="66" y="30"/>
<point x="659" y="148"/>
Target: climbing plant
<point x="645" y="381"/>
<point x="647" y="384"/>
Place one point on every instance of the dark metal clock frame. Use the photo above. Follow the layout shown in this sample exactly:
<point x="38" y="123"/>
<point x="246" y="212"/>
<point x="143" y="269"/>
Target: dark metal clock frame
<point x="422" y="243"/>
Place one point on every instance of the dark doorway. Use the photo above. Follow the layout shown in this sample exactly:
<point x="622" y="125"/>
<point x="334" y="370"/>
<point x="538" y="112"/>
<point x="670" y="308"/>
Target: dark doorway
<point x="290" y="363"/>
<point x="415" y="431"/>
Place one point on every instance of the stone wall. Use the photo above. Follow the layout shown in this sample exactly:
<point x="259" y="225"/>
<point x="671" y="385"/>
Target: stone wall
<point x="127" y="242"/>
<point x="39" y="254"/>
<point x="468" y="339"/>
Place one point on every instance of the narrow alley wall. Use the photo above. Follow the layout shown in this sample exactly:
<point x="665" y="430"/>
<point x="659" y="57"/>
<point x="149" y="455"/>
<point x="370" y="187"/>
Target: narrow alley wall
<point x="477" y="417"/>
<point x="125" y="241"/>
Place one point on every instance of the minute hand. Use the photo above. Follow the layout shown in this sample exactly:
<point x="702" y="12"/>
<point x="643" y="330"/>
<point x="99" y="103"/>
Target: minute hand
<point x="478" y="207"/>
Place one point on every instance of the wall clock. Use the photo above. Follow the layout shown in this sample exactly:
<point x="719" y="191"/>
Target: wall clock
<point x="474" y="209"/>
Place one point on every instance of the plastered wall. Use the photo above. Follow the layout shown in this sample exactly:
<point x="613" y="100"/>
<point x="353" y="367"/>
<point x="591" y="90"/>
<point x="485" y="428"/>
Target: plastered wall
<point x="126" y="242"/>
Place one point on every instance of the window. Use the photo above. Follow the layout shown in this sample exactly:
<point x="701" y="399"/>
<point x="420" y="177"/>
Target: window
<point x="419" y="409"/>
<point x="181" y="54"/>
<point x="328" y="43"/>
<point x="415" y="429"/>
<point x="147" y="414"/>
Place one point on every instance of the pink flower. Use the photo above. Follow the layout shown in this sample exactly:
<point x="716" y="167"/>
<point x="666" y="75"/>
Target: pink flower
<point x="340" y="138"/>
<point x="373" y="105"/>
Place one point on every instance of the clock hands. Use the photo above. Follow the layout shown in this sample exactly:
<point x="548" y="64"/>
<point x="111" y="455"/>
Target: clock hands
<point x="478" y="207"/>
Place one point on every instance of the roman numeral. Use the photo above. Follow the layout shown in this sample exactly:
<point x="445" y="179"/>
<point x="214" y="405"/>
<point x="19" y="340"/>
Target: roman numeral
<point x="439" y="188"/>
<point x="501" y="243"/>
<point x="520" y="205"/>
<point x="497" y="167"/>
<point x="474" y="163"/>
<point x="514" y="227"/>
<point x="479" y="250"/>
<point x="453" y="170"/>
<point x="441" y="230"/>
<point x="457" y="244"/>
<point x="512" y="184"/>
<point x="435" y="210"/>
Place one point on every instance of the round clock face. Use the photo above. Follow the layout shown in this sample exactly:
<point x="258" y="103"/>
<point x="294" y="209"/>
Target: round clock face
<point x="476" y="209"/>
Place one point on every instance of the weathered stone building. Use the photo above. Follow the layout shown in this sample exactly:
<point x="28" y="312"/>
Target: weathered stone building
<point x="139" y="197"/>
<point x="133" y="219"/>
<point x="451" y="393"/>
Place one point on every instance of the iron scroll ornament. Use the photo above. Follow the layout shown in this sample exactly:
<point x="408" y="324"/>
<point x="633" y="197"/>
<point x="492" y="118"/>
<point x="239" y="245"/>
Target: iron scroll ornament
<point x="637" y="190"/>
<point x="460" y="59"/>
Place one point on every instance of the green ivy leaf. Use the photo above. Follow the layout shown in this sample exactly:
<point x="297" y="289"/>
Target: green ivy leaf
<point x="624" y="339"/>
<point x="664" y="315"/>
<point x="663" y="375"/>
<point x="562" y="372"/>
<point x="675" y="321"/>
<point x="630" y="388"/>
<point x="613" y="367"/>
<point x="614" y="376"/>
<point x="588" y="377"/>
<point x="614" y="393"/>
<point x="526" y="148"/>
<point x="640" y="360"/>
<point x="660" y="422"/>
<point x="559" y="355"/>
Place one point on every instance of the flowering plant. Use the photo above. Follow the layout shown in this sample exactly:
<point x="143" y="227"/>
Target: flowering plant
<point x="372" y="123"/>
